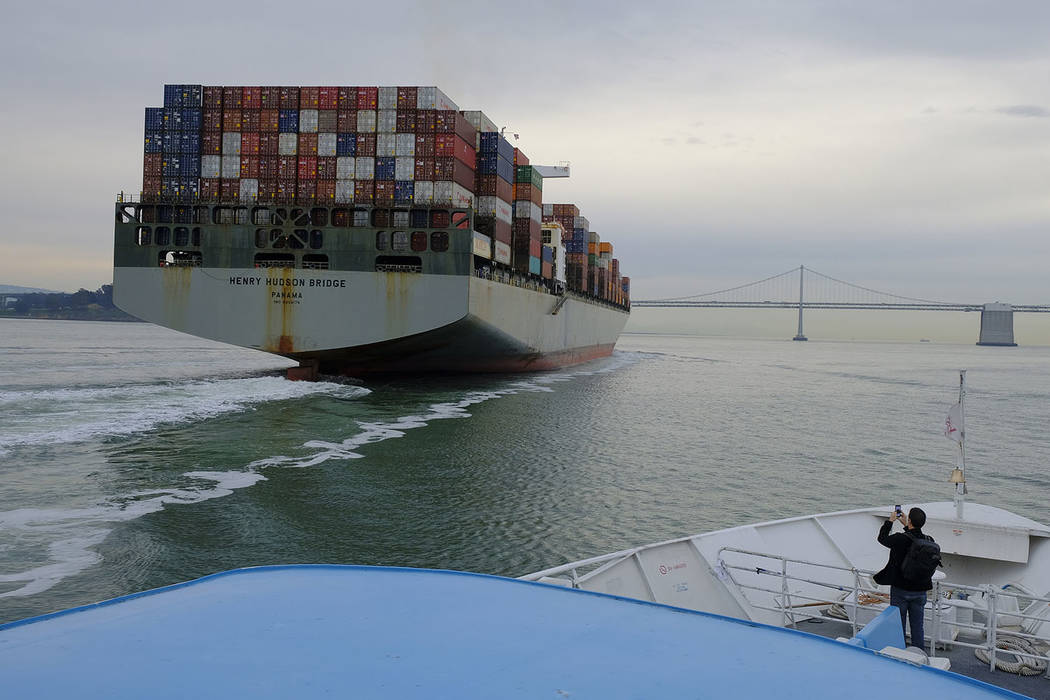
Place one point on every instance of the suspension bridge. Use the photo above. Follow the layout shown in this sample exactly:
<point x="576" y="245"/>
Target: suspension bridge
<point x="805" y="288"/>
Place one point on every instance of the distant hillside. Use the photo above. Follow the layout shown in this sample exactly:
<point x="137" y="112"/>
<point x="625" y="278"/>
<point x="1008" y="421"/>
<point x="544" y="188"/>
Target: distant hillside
<point x="15" y="289"/>
<point x="82" y="305"/>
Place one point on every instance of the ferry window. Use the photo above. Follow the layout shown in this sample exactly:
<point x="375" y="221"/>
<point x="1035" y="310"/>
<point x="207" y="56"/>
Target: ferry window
<point x="276" y="238"/>
<point x="298" y="239"/>
<point x="182" y="236"/>
<point x="461" y="219"/>
<point x="195" y="238"/>
<point x="165" y="215"/>
<point x="142" y="235"/>
<point x="381" y="217"/>
<point x="300" y="217"/>
<point x="183" y="215"/>
<point x="261" y="216"/>
<point x="439" y="218"/>
<point x="316" y="239"/>
<point x="261" y="238"/>
<point x="418" y="218"/>
<point x="340" y="217"/>
<point x="399" y="240"/>
<point x="360" y="217"/>
<point x="128" y="213"/>
<point x="439" y="241"/>
<point x="401" y="218"/>
<point x="201" y="215"/>
<point x="313" y="261"/>
<point x="419" y="241"/>
<point x="148" y="215"/>
<point x="163" y="236"/>
<point x="382" y="240"/>
<point x="319" y="217"/>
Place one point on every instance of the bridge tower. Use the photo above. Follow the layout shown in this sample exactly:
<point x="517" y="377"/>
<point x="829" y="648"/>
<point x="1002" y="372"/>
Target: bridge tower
<point x="997" y="325"/>
<point x="799" y="335"/>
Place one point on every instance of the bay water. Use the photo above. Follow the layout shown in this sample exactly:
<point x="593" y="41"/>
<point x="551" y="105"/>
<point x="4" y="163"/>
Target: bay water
<point x="132" y="456"/>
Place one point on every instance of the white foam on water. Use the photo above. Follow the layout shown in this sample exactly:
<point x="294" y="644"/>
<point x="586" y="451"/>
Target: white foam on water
<point x="74" y="533"/>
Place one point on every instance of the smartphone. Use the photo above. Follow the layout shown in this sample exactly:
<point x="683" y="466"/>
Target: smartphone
<point x="898" y="511"/>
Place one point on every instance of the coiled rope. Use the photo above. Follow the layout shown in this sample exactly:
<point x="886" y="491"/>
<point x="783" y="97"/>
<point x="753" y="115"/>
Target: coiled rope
<point x="1021" y="665"/>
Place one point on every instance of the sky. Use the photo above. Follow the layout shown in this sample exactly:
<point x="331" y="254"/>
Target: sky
<point x="901" y="146"/>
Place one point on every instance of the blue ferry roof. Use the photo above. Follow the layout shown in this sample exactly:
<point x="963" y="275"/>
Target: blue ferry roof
<point x="349" y="631"/>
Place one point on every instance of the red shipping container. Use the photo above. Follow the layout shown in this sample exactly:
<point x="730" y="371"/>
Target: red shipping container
<point x="151" y="186"/>
<point x="286" y="191"/>
<point x="229" y="188"/>
<point x="426" y="121"/>
<point x="232" y="97"/>
<point x="212" y="96"/>
<point x="502" y="231"/>
<point x="425" y="145"/>
<point x="526" y="193"/>
<point x="346" y="121"/>
<point x="520" y="158"/>
<point x="367" y="98"/>
<point x="287" y="167"/>
<point x="327" y="121"/>
<point x="566" y="210"/>
<point x="405" y="121"/>
<point x="251" y="98"/>
<point x="267" y="189"/>
<point x="464" y="129"/>
<point x="445" y="121"/>
<point x="546" y="270"/>
<point x="270" y="97"/>
<point x="526" y="228"/>
<point x="211" y="120"/>
<point x="364" y="191"/>
<point x="326" y="168"/>
<point x="210" y="189"/>
<point x="308" y="144"/>
<point x="309" y="97"/>
<point x="464" y="153"/>
<point x="289" y="100"/>
<point x="327" y="97"/>
<point x="249" y="144"/>
<point x="443" y="168"/>
<point x="269" y="143"/>
<point x="347" y="99"/>
<point x="211" y="143"/>
<point x="307" y="168"/>
<point x="406" y="97"/>
<point x="366" y="144"/>
<point x="305" y="191"/>
<point x="384" y="192"/>
<point x="325" y="191"/>
<point x="269" y="119"/>
<point x="251" y="120"/>
<point x="151" y="164"/>
<point x="250" y="166"/>
<point x="424" y="169"/>
<point x="231" y="120"/>
<point x="269" y="167"/>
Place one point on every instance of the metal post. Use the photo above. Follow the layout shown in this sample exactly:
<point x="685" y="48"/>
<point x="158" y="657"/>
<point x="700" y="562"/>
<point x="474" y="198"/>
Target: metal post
<point x="993" y="623"/>
<point x="784" y="589"/>
<point x="936" y="618"/>
<point x="801" y="272"/>
<point x="856" y="599"/>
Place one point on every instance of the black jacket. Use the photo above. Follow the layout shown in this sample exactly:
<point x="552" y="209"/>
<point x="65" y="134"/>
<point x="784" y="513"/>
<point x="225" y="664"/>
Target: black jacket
<point x="899" y="544"/>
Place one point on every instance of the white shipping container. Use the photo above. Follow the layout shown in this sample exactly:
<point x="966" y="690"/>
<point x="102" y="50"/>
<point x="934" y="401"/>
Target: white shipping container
<point x="581" y="222"/>
<point x="480" y="121"/>
<point x="548" y="210"/>
<point x="386" y="121"/>
<point x="231" y="166"/>
<point x="433" y="98"/>
<point x="231" y="143"/>
<point x="345" y="168"/>
<point x="287" y="144"/>
<point x="482" y="245"/>
<point x="211" y="166"/>
<point x="593" y="237"/>
<point x="344" y="191"/>
<point x="386" y="144"/>
<point x="366" y="120"/>
<point x="308" y="121"/>
<point x="423" y="192"/>
<point x="406" y="145"/>
<point x="443" y="192"/>
<point x="528" y="210"/>
<point x="326" y="144"/>
<point x="405" y="169"/>
<point x="501" y="252"/>
<point x="365" y="168"/>
<point x="461" y="196"/>
<point x="388" y="98"/>
<point x="249" y="189"/>
<point x="494" y="206"/>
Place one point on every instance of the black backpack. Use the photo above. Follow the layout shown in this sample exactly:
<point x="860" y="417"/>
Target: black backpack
<point x="922" y="559"/>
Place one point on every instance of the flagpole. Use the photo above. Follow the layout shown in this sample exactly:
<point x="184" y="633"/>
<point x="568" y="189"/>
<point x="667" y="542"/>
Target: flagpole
<point x="960" y="486"/>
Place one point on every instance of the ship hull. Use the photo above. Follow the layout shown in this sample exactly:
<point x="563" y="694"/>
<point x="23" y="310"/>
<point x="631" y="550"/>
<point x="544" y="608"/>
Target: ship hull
<point x="360" y="323"/>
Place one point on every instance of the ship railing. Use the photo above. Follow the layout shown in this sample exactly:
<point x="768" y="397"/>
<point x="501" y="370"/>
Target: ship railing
<point x="1010" y="612"/>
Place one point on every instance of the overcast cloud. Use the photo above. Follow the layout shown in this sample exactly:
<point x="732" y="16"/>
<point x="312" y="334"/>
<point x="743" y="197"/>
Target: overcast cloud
<point x="898" y="145"/>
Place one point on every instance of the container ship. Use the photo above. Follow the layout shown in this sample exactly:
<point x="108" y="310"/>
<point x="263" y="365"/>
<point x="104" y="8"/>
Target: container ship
<point x="359" y="230"/>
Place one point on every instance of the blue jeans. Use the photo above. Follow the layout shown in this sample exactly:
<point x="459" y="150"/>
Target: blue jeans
<point x="911" y="604"/>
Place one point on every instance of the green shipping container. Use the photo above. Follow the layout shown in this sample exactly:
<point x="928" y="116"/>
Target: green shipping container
<point x="526" y="174"/>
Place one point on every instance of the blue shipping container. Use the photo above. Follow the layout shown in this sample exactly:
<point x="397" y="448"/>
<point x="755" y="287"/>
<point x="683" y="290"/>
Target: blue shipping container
<point x="534" y="265"/>
<point x="492" y="164"/>
<point x="169" y="186"/>
<point x="172" y="119"/>
<point x="172" y="143"/>
<point x="346" y="145"/>
<point x="170" y="166"/>
<point x="154" y="118"/>
<point x="182" y="95"/>
<point x="494" y="144"/>
<point x="191" y="120"/>
<point x="154" y="142"/>
<point x="575" y="246"/>
<point x="548" y="254"/>
<point x="189" y="165"/>
<point x="189" y="187"/>
<point x="404" y="191"/>
<point x="288" y="121"/>
<point x="385" y="168"/>
<point x="190" y="143"/>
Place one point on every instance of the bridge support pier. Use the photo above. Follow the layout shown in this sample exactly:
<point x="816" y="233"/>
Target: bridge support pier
<point x="997" y="325"/>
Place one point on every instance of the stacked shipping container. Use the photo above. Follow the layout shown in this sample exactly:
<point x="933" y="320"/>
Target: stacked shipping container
<point x="372" y="146"/>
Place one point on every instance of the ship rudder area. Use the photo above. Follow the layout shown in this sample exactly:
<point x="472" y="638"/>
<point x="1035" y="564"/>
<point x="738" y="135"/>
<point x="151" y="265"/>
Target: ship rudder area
<point x="307" y="371"/>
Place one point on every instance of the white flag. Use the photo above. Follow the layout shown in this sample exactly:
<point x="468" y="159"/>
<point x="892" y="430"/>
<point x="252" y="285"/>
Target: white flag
<point x="953" y="424"/>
